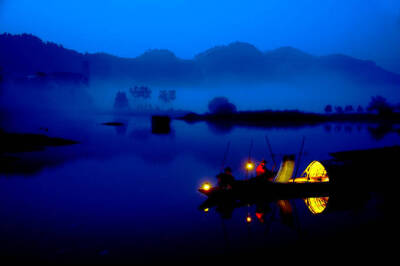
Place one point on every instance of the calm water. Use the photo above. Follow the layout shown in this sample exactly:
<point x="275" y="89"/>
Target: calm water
<point x="124" y="193"/>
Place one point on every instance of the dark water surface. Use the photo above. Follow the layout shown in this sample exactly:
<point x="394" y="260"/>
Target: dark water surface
<point x="126" y="194"/>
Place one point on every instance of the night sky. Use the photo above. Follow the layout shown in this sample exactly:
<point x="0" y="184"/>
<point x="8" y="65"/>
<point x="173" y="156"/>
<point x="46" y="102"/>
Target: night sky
<point x="366" y="29"/>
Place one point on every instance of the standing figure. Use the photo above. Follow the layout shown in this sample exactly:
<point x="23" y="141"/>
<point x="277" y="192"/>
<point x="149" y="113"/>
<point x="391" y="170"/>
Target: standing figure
<point x="262" y="170"/>
<point x="226" y="179"/>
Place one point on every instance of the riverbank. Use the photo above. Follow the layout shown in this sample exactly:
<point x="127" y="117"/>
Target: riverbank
<point x="12" y="144"/>
<point x="269" y="118"/>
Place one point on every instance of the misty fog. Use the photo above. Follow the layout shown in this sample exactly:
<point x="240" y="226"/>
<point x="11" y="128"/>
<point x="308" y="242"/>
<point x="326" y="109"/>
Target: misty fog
<point x="99" y="96"/>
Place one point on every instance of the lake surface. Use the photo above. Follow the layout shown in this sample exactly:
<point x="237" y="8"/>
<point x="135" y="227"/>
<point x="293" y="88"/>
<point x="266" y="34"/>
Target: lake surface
<point x="124" y="193"/>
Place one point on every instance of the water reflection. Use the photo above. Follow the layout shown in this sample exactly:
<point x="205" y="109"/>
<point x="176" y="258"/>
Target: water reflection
<point x="316" y="205"/>
<point x="121" y="130"/>
<point x="377" y="131"/>
<point x="380" y="131"/>
<point x="328" y="127"/>
<point x="220" y="128"/>
<point x="286" y="210"/>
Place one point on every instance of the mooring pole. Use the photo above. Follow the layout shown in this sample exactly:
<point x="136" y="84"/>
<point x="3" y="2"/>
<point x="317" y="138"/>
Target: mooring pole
<point x="299" y="159"/>
<point x="251" y="147"/>
<point x="270" y="150"/>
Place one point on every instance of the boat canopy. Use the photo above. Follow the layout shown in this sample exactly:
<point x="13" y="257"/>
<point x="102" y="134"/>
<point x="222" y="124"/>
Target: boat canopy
<point x="286" y="170"/>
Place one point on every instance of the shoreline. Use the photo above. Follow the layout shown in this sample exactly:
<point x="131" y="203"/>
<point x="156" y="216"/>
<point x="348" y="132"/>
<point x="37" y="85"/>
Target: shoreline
<point x="269" y="118"/>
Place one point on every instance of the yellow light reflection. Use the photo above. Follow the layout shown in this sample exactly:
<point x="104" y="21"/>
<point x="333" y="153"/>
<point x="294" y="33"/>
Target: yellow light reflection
<point x="248" y="219"/>
<point x="316" y="205"/>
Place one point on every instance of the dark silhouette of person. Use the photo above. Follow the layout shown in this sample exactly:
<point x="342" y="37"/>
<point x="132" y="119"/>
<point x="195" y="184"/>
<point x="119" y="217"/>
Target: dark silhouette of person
<point x="226" y="179"/>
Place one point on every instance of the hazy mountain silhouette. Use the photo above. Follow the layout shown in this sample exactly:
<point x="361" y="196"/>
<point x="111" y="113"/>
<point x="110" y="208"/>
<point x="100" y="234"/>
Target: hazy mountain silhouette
<point x="26" y="54"/>
<point x="234" y="63"/>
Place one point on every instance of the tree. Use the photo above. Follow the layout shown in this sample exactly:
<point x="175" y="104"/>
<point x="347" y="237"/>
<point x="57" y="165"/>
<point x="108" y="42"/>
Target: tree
<point x="348" y="109"/>
<point x="167" y="96"/>
<point x="338" y="109"/>
<point x="221" y="105"/>
<point x="360" y="109"/>
<point x="172" y="95"/>
<point x="121" y="101"/>
<point x="380" y="105"/>
<point x="328" y="108"/>
<point x="140" y="92"/>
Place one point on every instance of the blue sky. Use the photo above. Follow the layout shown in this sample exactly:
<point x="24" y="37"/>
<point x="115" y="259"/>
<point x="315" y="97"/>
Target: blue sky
<point x="367" y="29"/>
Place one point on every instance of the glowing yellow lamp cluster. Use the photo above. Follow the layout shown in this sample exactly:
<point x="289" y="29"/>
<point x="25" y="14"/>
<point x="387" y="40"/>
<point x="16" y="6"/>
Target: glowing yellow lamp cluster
<point x="315" y="172"/>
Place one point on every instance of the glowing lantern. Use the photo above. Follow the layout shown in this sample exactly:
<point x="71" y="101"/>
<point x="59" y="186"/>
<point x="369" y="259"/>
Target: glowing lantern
<point x="206" y="210"/>
<point x="206" y="186"/>
<point x="316" y="205"/>
<point x="249" y="166"/>
<point x="316" y="172"/>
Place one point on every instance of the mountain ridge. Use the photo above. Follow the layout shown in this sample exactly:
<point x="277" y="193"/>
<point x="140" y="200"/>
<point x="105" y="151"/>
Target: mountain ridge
<point x="224" y="64"/>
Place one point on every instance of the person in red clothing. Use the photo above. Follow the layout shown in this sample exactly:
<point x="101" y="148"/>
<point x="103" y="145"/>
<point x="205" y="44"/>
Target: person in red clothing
<point x="262" y="170"/>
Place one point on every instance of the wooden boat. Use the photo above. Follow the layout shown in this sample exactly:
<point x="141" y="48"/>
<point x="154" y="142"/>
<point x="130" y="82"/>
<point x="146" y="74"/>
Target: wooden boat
<point x="314" y="182"/>
<point x="253" y="188"/>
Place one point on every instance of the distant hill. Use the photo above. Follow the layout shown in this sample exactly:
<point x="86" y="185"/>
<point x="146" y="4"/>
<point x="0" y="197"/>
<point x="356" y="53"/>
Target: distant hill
<point x="26" y="54"/>
<point x="238" y="62"/>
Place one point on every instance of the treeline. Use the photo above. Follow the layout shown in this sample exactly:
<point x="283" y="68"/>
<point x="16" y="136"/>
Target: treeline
<point x="378" y="105"/>
<point x="141" y="98"/>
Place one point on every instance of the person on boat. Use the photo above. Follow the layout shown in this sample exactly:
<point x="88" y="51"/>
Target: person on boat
<point x="226" y="179"/>
<point x="262" y="170"/>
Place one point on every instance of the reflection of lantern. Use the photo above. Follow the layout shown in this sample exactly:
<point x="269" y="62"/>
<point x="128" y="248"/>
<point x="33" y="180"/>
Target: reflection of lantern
<point x="248" y="219"/>
<point x="316" y="205"/>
